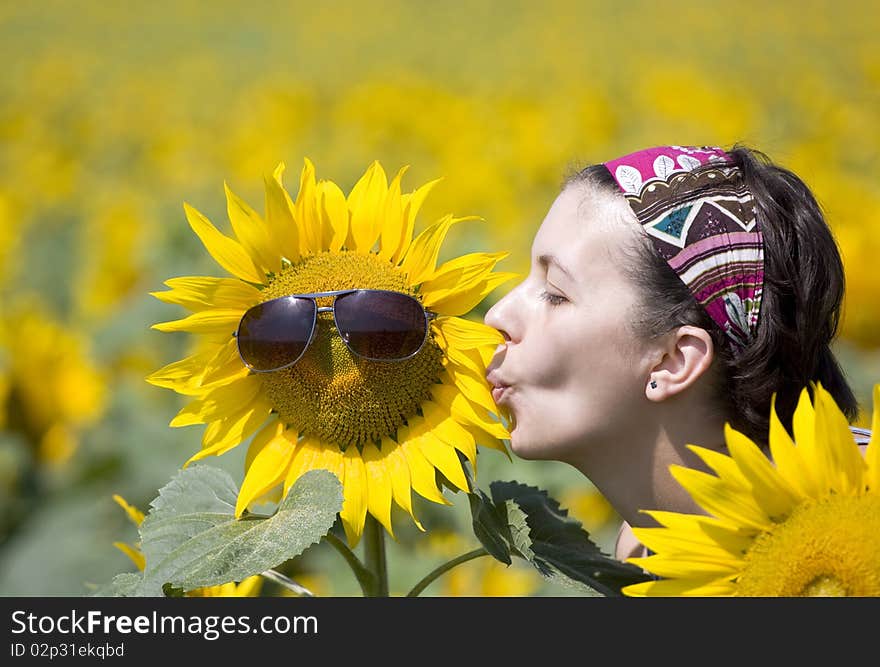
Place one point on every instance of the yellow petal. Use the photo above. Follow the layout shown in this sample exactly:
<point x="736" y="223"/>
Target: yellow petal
<point x="365" y="202"/>
<point x="354" y="504"/>
<point x="262" y="438"/>
<point x="217" y="321"/>
<point x="769" y="489"/>
<point x="203" y="292"/>
<point x="474" y="386"/>
<point x="720" y="500"/>
<point x="450" y="431"/>
<point x="723" y="587"/>
<point x="280" y="216"/>
<point x="308" y="453"/>
<point x="136" y="516"/>
<point x="134" y="555"/>
<point x="252" y="232"/>
<point x="422" y="473"/>
<point x="848" y="468"/>
<point x="728" y="538"/>
<point x="787" y="458"/>
<point x="465" y="412"/>
<point x="184" y="376"/>
<point x="466" y="334"/>
<point x="443" y="457"/>
<point x="421" y="258"/>
<point x="218" y="402"/>
<point x="412" y="203"/>
<point x="227" y="252"/>
<point x="378" y="485"/>
<point x="463" y="301"/>
<point x="334" y="214"/>
<point x="813" y="456"/>
<point x="306" y="208"/>
<point x="267" y="470"/>
<point x="872" y="453"/>
<point x="459" y="274"/>
<point x="684" y="567"/>
<point x="225" y="366"/>
<point x="398" y="470"/>
<point x="222" y="435"/>
<point x="393" y="218"/>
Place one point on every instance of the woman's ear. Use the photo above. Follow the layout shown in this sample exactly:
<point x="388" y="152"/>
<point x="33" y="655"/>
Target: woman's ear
<point x="687" y="354"/>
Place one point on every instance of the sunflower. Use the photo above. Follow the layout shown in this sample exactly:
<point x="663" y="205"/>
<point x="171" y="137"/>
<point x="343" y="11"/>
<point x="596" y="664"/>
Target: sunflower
<point x="249" y="587"/>
<point x="805" y="524"/>
<point x="385" y="429"/>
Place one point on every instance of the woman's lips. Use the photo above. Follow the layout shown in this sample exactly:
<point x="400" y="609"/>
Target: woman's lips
<point x="499" y="391"/>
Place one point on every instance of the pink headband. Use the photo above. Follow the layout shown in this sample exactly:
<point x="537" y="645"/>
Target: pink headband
<point x="700" y="217"/>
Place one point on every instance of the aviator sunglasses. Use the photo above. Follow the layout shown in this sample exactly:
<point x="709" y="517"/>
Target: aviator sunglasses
<point x="378" y="325"/>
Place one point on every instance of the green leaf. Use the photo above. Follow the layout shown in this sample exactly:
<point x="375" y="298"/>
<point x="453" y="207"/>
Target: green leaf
<point x="126" y="584"/>
<point x="192" y="539"/>
<point x="524" y="521"/>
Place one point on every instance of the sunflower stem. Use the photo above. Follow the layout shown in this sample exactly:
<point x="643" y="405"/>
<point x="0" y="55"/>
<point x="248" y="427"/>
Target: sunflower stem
<point x="362" y="574"/>
<point x="437" y="572"/>
<point x="374" y="556"/>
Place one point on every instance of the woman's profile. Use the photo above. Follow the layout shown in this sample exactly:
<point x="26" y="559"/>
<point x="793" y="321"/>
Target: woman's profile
<point x="671" y="291"/>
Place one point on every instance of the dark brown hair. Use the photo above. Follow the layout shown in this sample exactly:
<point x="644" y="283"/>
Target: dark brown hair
<point x="800" y="306"/>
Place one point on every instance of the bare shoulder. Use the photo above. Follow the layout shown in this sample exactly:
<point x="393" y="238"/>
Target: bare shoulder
<point x="626" y="545"/>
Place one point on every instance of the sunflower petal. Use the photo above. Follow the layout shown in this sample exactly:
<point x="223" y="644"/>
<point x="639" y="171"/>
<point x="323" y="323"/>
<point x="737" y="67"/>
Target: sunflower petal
<point x="252" y="232"/>
<point x="459" y="274"/>
<point x="690" y="566"/>
<point x="872" y="453"/>
<point x="422" y="474"/>
<point x="306" y="209"/>
<point x="393" y="217"/>
<point x="465" y="300"/>
<point x="786" y="457"/>
<point x="227" y="252"/>
<point x="334" y="214"/>
<point x="266" y="471"/>
<point x="308" y="455"/>
<point x="804" y="426"/>
<point x="722" y="587"/>
<point x="769" y="488"/>
<point x="280" y="217"/>
<point x="717" y="498"/>
<point x="203" y="292"/>
<point x="465" y="412"/>
<point x="466" y="334"/>
<point x="398" y="470"/>
<point x="224" y="434"/>
<point x="365" y="202"/>
<point x="450" y="431"/>
<point x="354" y="504"/>
<point x="271" y="430"/>
<point x="218" y="402"/>
<point x="421" y="258"/>
<point x="184" y="376"/>
<point x="378" y="485"/>
<point x="205" y="322"/>
<point x="134" y="514"/>
<point x="832" y="429"/>
<point x="225" y="366"/>
<point x="412" y="203"/>
<point x="134" y="555"/>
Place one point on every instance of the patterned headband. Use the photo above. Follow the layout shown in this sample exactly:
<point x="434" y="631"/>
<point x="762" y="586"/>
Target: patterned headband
<point x="702" y="222"/>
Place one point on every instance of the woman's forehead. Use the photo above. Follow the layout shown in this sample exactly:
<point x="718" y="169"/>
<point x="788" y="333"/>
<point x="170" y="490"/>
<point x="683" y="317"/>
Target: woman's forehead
<point x="581" y="228"/>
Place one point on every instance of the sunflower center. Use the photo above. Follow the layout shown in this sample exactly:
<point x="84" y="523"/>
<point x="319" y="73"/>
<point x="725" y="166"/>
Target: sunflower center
<point x="331" y="393"/>
<point x="824" y="548"/>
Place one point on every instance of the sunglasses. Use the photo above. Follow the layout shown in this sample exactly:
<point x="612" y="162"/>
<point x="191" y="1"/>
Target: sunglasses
<point x="378" y="325"/>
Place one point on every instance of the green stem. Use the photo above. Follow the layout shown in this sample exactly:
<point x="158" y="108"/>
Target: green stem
<point x="436" y="573"/>
<point x="362" y="574"/>
<point x="374" y="555"/>
<point x="288" y="583"/>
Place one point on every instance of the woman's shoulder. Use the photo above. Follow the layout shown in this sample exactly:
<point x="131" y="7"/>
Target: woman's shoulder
<point x="626" y="545"/>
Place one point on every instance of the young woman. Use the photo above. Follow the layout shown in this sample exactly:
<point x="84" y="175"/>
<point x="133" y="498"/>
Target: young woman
<point x="671" y="290"/>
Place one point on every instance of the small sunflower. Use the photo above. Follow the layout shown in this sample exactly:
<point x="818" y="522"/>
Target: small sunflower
<point x="249" y="587"/>
<point x="805" y="524"/>
<point x="385" y="429"/>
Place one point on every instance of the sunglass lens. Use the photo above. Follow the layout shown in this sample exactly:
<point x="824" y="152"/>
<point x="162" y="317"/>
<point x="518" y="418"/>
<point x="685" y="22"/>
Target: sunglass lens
<point x="381" y="325"/>
<point x="275" y="334"/>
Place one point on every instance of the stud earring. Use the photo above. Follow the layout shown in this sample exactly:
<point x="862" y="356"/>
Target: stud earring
<point x="653" y="384"/>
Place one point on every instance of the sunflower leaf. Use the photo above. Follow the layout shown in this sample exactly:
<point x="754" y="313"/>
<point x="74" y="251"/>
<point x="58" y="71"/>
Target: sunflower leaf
<point x="192" y="539"/>
<point x="122" y="585"/>
<point x="541" y="531"/>
<point x="489" y="527"/>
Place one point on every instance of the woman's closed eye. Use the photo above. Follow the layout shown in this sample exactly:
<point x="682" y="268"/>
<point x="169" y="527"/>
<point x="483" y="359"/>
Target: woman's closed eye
<point x="552" y="299"/>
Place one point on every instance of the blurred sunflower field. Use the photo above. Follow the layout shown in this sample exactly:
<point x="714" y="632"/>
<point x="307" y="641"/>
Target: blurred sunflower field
<point x="111" y="117"/>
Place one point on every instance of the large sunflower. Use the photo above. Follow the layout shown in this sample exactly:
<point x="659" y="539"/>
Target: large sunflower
<point x="385" y="429"/>
<point x="805" y="524"/>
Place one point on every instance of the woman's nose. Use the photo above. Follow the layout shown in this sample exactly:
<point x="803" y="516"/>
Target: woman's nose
<point x="499" y="317"/>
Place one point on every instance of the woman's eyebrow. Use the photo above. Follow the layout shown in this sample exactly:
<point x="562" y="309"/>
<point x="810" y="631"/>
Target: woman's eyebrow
<point x="548" y="259"/>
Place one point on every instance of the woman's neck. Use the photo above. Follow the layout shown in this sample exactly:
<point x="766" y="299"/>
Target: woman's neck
<point x="632" y="472"/>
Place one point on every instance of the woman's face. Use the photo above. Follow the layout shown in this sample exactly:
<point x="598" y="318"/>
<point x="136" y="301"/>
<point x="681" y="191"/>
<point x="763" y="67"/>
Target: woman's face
<point x="571" y="374"/>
